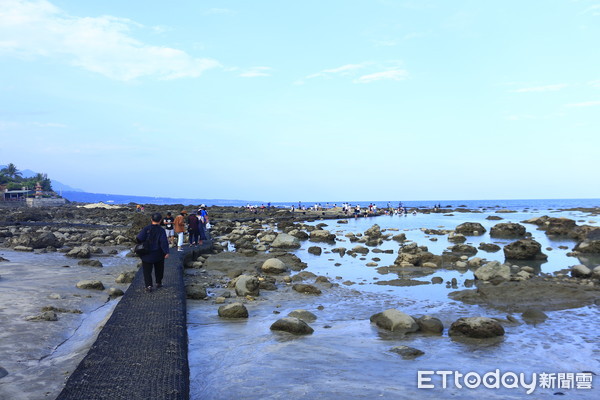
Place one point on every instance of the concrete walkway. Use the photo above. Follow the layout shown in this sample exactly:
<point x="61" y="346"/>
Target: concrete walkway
<point x="142" y="351"/>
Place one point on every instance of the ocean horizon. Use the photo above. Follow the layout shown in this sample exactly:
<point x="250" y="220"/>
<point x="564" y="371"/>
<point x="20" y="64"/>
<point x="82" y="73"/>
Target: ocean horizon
<point x="510" y="204"/>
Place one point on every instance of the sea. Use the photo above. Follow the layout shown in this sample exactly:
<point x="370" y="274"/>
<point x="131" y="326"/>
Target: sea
<point x="348" y="357"/>
<point x="509" y="204"/>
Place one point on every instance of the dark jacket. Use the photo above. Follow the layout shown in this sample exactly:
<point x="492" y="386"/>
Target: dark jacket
<point x="159" y="246"/>
<point x="193" y="223"/>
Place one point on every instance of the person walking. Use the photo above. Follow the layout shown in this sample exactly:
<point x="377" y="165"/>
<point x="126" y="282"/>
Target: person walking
<point x="169" y="229"/>
<point x="193" y="229"/>
<point x="202" y="223"/>
<point x="179" y="225"/>
<point x="155" y="235"/>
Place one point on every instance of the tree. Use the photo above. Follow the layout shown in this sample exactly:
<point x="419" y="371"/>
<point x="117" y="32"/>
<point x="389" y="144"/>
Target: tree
<point x="11" y="171"/>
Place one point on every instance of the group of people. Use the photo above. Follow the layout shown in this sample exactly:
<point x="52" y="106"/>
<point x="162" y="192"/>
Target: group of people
<point x="195" y="224"/>
<point x="160" y="236"/>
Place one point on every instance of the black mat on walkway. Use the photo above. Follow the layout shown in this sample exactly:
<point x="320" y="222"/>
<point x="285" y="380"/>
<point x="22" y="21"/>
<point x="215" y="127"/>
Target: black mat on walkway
<point x="142" y="351"/>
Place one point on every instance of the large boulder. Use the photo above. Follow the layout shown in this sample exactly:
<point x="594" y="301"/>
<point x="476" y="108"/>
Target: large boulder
<point x="285" y="241"/>
<point x="84" y="251"/>
<point x="429" y="324"/>
<point x="233" y="310"/>
<point x="306" y="289"/>
<point x="476" y="327"/>
<point x="559" y="226"/>
<point x="463" y="249"/>
<point x="416" y="255"/>
<point x="395" y="320"/>
<point x="524" y="249"/>
<point x="508" y="229"/>
<point x="489" y="247"/>
<point x="373" y="232"/>
<point x="125" y="277"/>
<point x="470" y="229"/>
<point x="36" y="241"/>
<point x="304" y="315"/>
<point x="247" y="285"/>
<point x="493" y="270"/>
<point x="322" y="235"/>
<point x="273" y="266"/>
<point x="292" y="325"/>
<point x="588" y="246"/>
<point x="581" y="271"/>
<point x="195" y="292"/>
<point x="90" y="284"/>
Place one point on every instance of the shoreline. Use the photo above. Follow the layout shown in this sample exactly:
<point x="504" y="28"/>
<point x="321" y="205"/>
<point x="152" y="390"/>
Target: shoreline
<point x="78" y="227"/>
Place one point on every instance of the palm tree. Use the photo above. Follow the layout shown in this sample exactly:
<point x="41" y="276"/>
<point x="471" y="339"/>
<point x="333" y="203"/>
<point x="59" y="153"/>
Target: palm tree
<point x="11" y="171"/>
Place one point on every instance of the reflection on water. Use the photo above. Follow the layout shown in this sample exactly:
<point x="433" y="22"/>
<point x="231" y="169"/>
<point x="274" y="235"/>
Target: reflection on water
<point x="349" y="358"/>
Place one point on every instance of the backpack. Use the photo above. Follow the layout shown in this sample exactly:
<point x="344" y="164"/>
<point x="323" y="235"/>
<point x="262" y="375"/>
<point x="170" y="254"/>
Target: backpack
<point x="143" y="248"/>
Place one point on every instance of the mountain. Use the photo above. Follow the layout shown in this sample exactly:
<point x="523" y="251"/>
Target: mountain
<point x="56" y="185"/>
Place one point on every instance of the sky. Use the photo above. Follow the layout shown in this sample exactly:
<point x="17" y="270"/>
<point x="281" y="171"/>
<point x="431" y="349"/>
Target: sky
<point x="276" y="100"/>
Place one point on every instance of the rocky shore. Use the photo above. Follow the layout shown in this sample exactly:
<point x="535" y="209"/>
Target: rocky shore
<point x="255" y="254"/>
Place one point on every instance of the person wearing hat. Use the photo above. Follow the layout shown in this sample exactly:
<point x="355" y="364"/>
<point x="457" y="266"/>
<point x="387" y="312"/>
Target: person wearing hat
<point x="203" y="220"/>
<point x="179" y="225"/>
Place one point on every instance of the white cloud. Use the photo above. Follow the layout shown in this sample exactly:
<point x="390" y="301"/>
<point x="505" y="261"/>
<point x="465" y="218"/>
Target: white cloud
<point x="256" y="72"/>
<point x="595" y="84"/>
<point x="594" y="10"/>
<point x="585" y="104"/>
<point x="344" y="70"/>
<point x="392" y="74"/>
<point x="546" y="88"/>
<point x="37" y="28"/>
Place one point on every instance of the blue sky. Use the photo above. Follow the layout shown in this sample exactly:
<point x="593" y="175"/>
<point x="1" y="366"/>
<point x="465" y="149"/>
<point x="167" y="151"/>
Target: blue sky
<point x="305" y="100"/>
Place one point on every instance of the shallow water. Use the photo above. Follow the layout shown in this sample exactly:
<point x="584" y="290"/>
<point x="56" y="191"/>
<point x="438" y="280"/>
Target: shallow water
<point x="39" y="355"/>
<point x="348" y="357"/>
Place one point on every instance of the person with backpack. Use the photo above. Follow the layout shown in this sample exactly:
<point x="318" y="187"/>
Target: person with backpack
<point x="156" y="251"/>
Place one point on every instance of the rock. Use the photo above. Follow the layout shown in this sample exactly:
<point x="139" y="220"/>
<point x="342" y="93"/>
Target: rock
<point x="430" y="324"/>
<point x="580" y="271"/>
<point x="195" y="292"/>
<point x="36" y="241"/>
<point x="533" y="316"/>
<point x="587" y="246"/>
<point x="90" y="284"/>
<point x="464" y="249"/>
<point x="233" y="310"/>
<point x="90" y="263"/>
<point x="340" y="250"/>
<point x="22" y="248"/>
<point x="395" y="320"/>
<point x="507" y="229"/>
<point x="408" y="353"/>
<point x="273" y="266"/>
<point x="489" y="247"/>
<point x="596" y="273"/>
<point x="559" y="226"/>
<point x="524" y="249"/>
<point x="84" y="251"/>
<point x="457" y="237"/>
<point x="125" y="277"/>
<point x="374" y="231"/>
<point x="436" y="280"/>
<point x="475" y="262"/>
<point x="2" y="259"/>
<point x="401" y="237"/>
<point x="44" y="316"/>
<point x="493" y="270"/>
<point x="429" y="265"/>
<point x="292" y="325"/>
<point x="304" y="315"/>
<point x="304" y="288"/>
<point x="360" y="249"/>
<point x="470" y="229"/>
<point x="476" y="327"/>
<point x="322" y="235"/>
<point x="3" y="372"/>
<point x="115" y="292"/>
<point x="316" y="250"/>
<point x="286" y="241"/>
<point x="247" y="285"/>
